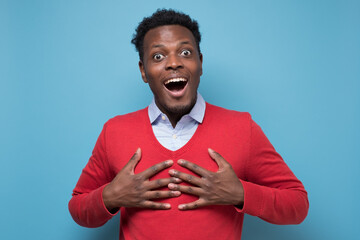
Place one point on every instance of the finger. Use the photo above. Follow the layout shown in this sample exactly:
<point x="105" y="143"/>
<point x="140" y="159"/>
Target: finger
<point x="155" y="205"/>
<point x="130" y="165"/>
<point x="186" y="177"/>
<point x="193" y="167"/>
<point x="158" y="183"/>
<point x="186" y="189"/>
<point x="221" y="162"/>
<point x="193" y="205"/>
<point x="156" y="168"/>
<point x="161" y="194"/>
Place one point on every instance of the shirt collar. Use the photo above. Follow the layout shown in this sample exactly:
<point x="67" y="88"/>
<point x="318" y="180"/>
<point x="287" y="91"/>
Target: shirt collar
<point x="197" y="112"/>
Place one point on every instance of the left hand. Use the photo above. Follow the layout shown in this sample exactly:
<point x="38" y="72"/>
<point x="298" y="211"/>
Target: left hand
<point x="213" y="188"/>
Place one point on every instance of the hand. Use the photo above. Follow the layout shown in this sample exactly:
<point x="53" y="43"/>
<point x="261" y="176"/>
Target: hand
<point x="213" y="188"/>
<point x="135" y="190"/>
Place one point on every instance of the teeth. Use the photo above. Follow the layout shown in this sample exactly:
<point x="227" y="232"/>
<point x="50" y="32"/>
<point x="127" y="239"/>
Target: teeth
<point x="175" y="80"/>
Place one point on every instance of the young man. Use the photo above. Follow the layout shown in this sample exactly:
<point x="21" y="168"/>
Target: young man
<point x="197" y="168"/>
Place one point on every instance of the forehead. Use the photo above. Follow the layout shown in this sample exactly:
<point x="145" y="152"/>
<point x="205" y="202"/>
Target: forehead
<point x="166" y="35"/>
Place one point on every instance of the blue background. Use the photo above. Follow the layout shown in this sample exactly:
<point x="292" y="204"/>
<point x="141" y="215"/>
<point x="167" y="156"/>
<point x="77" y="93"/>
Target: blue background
<point x="68" y="66"/>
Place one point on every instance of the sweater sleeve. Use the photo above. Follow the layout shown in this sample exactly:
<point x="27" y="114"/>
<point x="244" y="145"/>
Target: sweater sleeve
<point x="271" y="190"/>
<point x="86" y="205"/>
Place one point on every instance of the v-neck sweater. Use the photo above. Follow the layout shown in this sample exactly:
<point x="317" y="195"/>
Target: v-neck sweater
<point x="271" y="190"/>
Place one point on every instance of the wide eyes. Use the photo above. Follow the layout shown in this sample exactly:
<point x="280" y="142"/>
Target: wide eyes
<point x="158" y="57"/>
<point x="184" y="53"/>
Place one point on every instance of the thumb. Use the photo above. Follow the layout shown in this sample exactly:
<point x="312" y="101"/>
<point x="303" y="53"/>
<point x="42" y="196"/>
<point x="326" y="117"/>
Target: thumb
<point x="134" y="160"/>
<point x="217" y="157"/>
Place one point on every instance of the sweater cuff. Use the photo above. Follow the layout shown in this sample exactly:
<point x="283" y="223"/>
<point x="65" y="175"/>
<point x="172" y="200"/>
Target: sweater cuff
<point x="101" y="203"/>
<point x="254" y="198"/>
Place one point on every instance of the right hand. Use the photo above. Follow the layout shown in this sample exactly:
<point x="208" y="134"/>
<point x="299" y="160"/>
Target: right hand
<point x="128" y="189"/>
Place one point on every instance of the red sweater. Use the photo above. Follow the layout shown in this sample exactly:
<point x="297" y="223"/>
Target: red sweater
<point x="272" y="192"/>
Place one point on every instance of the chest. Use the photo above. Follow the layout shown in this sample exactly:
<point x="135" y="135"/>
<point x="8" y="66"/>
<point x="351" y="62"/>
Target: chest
<point x="233" y="146"/>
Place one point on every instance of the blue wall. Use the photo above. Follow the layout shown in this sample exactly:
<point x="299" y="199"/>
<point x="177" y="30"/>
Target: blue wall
<point x="68" y="66"/>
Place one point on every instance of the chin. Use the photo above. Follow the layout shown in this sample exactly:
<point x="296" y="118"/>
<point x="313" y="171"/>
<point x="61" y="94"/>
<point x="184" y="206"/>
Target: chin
<point x="181" y="109"/>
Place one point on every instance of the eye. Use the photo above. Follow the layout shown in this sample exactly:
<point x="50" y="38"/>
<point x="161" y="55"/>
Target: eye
<point x="185" y="52"/>
<point x="158" y="56"/>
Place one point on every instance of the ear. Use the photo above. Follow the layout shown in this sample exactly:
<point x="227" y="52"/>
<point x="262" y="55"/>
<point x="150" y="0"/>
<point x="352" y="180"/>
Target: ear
<point x="201" y="62"/>
<point x="142" y="71"/>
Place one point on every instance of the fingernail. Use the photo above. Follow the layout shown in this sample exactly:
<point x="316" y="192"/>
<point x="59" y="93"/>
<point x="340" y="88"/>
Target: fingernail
<point x="210" y="150"/>
<point x="181" y="206"/>
<point x="180" y="161"/>
<point x="171" y="185"/>
<point x="175" y="193"/>
<point x="169" y="162"/>
<point x="172" y="171"/>
<point x="167" y="205"/>
<point x="178" y="180"/>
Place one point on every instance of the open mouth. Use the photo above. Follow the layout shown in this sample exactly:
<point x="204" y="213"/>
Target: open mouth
<point x="175" y="84"/>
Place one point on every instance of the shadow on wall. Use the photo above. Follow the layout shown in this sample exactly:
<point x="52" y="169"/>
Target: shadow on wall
<point x="110" y="231"/>
<point x="257" y="229"/>
<point x="253" y="229"/>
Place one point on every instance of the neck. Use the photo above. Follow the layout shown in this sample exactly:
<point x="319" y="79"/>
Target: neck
<point x="174" y="115"/>
<point x="173" y="118"/>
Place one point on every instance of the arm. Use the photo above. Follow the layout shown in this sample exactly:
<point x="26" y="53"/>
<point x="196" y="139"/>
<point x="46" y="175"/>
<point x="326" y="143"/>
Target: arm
<point x="97" y="197"/>
<point x="271" y="191"/>
<point x="86" y="205"/>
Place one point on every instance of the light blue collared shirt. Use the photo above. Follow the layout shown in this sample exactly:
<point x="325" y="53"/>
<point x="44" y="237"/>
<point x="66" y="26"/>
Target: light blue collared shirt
<point x="175" y="138"/>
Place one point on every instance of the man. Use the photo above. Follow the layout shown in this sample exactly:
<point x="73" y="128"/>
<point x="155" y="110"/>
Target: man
<point x="197" y="168"/>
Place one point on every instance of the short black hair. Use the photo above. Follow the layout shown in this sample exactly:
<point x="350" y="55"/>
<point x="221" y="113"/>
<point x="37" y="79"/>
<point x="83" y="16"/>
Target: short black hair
<point x="160" y="18"/>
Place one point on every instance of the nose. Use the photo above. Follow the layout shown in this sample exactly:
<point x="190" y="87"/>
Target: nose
<point x="173" y="62"/>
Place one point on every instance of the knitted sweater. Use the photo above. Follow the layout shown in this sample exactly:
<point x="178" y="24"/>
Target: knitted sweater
<point x="271" y="191"/>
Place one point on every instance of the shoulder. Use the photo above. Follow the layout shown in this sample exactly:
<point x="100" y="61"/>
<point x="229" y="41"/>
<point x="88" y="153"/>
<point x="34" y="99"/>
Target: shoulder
<point x="229" y="125"/>
<point x="126" y="120"/>
<point x="226" y="114"/>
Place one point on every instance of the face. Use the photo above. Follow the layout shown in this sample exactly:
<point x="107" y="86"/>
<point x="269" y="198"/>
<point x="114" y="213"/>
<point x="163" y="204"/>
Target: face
<point x="172" y="67"/>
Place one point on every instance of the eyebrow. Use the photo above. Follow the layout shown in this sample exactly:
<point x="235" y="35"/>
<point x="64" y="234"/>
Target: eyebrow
<point x="161" y="45"/>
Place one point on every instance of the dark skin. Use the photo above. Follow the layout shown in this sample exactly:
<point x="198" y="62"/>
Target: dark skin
<point x="135" y="190"/>
<point x="171" y="52"/>
<point x="213" y="188"/>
